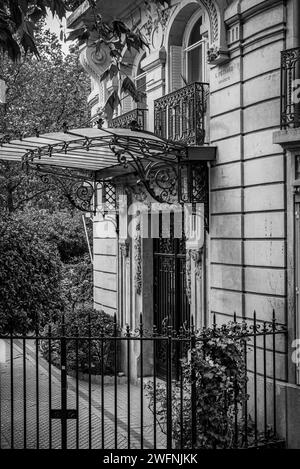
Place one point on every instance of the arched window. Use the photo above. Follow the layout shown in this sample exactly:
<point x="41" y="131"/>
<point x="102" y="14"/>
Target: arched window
<point x="188" y="44"/>
<point x="195" y="53"/>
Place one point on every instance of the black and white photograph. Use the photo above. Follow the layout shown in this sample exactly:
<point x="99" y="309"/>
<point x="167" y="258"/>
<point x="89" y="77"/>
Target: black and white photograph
<point x="149" y="228"/>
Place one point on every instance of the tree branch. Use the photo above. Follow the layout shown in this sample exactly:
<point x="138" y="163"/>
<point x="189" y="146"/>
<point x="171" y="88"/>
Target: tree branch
<point x="27" y="199"/>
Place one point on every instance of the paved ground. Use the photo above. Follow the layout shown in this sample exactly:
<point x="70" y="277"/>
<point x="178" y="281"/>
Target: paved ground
<point x="32" y="427"/>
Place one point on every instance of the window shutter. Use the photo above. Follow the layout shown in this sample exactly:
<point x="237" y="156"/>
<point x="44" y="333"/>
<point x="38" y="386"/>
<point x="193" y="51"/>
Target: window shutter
<point x="126" y="104"/>
<point x="176" y="69"/>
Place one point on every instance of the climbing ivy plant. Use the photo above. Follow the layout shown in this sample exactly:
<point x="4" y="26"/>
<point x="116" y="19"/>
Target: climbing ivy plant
<point x="216" y="368"/>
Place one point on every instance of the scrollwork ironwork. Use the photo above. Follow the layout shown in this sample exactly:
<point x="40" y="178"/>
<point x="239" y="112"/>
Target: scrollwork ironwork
<point x="159" y="164"/>
<point x="179" y="116"/>
<point x="139" y="192"/>
<point x="164" y="180"/>
<point x="159" y="177"/>
<point x="290" y="67"/>
<point x="79" y="192"/>
<point x="126" y="120"/>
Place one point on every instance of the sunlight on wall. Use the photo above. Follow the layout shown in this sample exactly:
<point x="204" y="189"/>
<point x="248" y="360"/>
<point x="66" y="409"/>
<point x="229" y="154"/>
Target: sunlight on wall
<point x="56" y="26"/>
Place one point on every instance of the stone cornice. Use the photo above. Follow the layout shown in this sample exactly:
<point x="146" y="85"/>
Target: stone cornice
<point x="237" y="14"/>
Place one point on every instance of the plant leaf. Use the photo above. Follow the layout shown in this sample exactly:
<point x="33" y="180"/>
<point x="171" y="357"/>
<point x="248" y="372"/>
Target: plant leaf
<point x="119" y="27"/>
<point x="82" y="34"/>
<point x="111" y="105"/>
<point x="128" y="86"/>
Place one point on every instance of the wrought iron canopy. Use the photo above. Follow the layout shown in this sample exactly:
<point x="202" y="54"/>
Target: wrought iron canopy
<point x="98" y="154"/>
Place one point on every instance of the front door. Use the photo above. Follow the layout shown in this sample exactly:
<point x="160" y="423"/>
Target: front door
<point x="171" y="305"/>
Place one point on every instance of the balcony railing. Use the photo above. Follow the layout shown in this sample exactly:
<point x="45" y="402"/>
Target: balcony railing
<point x="135" y="118"/>
<point x="290" y="80"/>
<point x="180" y="115"/>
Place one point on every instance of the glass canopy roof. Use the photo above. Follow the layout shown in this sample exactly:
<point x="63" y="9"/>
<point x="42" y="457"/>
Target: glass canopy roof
<point x="90" y="149"/>
<point x="98" y="154"/>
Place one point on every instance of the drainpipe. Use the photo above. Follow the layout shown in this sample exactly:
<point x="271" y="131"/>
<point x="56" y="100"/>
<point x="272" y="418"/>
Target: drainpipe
<point x="296" y="23"/>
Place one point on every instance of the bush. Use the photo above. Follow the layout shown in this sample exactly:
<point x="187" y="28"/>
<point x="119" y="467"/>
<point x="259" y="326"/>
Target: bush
<point x="217" y="366"/>
<point x="77" y="284"/>
<point x="64" y="230"/>
<point x="84" y="322"/>
<point x="30" y="274"/>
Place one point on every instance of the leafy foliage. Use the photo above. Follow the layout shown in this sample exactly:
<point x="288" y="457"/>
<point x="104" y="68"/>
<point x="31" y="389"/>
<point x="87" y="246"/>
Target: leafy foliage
<point x="30" y="275"/>
<point x="115" y="37"/>
<point x="18" y="19"/>
<point x="216" y="366"/>
<point x="83" y="322"/>
<point x="41" y="96"/>
<point x="77" y="284"/>
<point x="62" y="229"/>
<point x="45" y="268"/>
<point x="65" y="232"/>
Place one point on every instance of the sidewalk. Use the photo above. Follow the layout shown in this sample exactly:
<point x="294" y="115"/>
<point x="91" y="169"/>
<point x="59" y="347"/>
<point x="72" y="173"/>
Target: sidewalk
<point x="42" y="433"/>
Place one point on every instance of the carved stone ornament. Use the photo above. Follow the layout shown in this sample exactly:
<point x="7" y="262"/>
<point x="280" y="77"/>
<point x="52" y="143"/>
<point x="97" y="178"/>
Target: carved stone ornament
<point x="124" y="247"/>
<point x="188" y="276"/>
<point x="218" y="52"/>
<point x="215" y="56"/>
<point x="212" y="11"/>
<point x="194" y="255"/>
<point x="158" y="17"/>
<point x="95" y="62"/>
<point x="138" y="259"/>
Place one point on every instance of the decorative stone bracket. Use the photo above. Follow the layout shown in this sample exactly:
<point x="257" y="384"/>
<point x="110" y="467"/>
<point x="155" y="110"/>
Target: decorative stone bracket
<point x="218" y="52"/>
<point x="217" y="56"/>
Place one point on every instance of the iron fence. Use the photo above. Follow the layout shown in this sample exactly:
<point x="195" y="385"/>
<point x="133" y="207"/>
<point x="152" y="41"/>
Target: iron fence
<point x="290" y="76"/>
<point x="100" y="392"/>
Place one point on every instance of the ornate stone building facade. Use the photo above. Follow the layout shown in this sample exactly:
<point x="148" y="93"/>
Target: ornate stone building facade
<point x="225" y="57"/>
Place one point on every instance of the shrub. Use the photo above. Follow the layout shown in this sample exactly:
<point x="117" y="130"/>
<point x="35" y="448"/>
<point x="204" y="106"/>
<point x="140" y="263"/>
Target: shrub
<point x="77" y="284"/>
<point x="83" y="322"/>
<point x="64" y="230"/>
<point x="30" y="274"/>
<point x="216" y="365"/>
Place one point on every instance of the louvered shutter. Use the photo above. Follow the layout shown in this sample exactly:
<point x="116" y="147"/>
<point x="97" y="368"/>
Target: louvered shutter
<point x="176" y="81"/>
<point x="126" y="104"/>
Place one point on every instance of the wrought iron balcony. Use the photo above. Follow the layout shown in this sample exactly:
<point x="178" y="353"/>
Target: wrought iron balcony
<point x="134" y="118"/>
<point x="180" y="115"/>
<point x="290" y="80"/>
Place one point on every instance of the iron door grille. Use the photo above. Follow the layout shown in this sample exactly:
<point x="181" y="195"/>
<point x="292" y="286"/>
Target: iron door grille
<point x="171" y="304"/>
